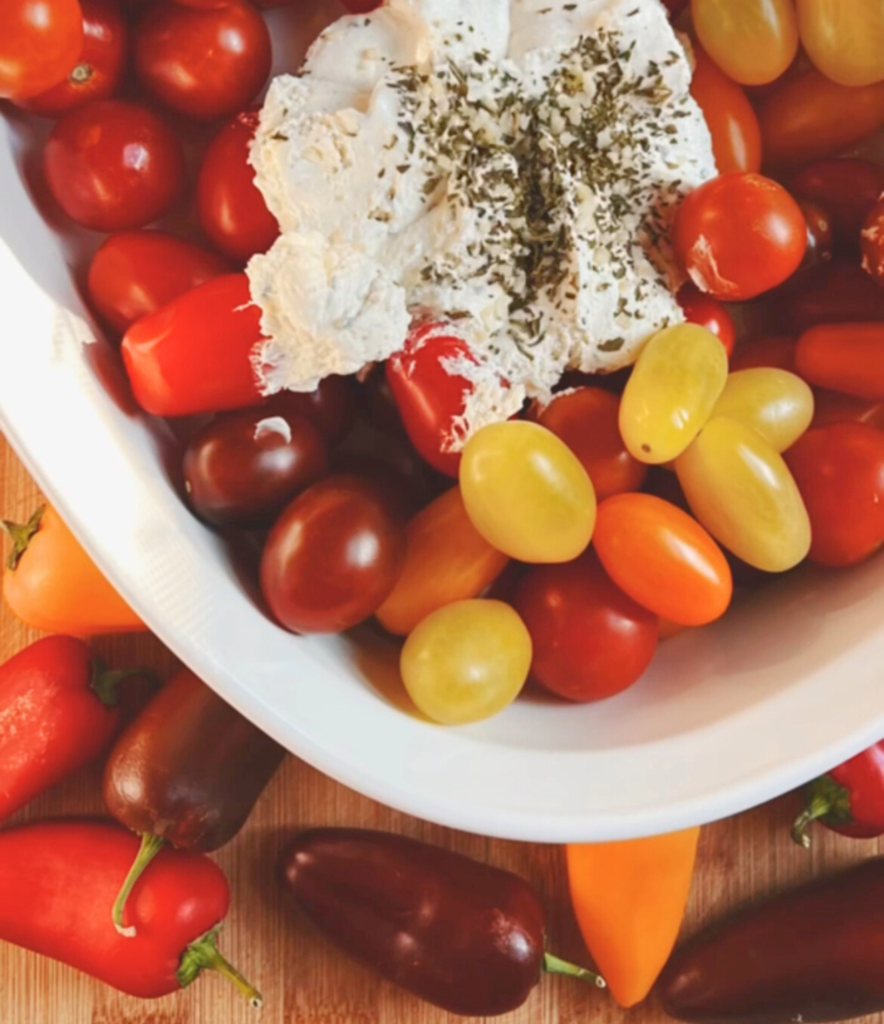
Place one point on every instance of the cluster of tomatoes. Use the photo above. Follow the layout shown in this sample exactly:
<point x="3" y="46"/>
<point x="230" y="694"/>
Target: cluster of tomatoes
<point x="579" y="534"/>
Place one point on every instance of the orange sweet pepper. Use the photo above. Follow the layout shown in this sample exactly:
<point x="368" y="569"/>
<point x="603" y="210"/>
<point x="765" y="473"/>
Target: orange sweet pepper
<point x="629" y="899"/>
<point x="51" y="583"/>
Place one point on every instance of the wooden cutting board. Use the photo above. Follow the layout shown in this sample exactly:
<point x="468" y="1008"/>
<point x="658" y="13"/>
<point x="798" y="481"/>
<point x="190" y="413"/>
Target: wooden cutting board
<point x="306" y="981"/>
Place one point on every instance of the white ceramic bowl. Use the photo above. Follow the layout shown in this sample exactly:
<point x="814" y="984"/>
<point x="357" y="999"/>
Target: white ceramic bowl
<point x="789" y="684"/>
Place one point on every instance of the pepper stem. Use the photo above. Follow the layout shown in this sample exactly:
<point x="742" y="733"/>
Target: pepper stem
<point x="826" y="799"/>
<point x="21" y="535"/>
<point x="553" y="965"/>
<point x="106" y="682"/>
<point x="203" y="955"/>
<point x="150" y="847"/>
<point x="818" y="808"/>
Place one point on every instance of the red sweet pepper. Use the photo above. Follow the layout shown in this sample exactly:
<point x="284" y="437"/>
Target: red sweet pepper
<point x="849" y="799"/>
<point x="59" y="879"/>
<point x="195" y="355"/>
<point x="58" y="711"/>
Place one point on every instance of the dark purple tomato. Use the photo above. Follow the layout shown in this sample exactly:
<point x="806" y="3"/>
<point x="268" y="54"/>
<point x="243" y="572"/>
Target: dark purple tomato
<point x="820" y="235"/>
<point x="331" y="407"/>
<point x="245" y="467"/>
<point x="333" y="557"/>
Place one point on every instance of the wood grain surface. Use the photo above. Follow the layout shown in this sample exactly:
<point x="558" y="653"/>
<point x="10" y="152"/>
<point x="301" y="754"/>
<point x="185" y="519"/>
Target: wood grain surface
<point x="306" y="981"/>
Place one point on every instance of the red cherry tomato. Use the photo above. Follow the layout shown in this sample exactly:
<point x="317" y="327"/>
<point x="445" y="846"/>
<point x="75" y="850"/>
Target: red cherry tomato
<point x="587" y="420"/>
<point x="740" y="235"/>
<point x="820" y="235"/>
<point x="429" y="398"/>
<point x="232" y="211"/>
<point x="775" y="350"/>
<point x="848" y="189"/>
<point x="361" y="6"/>
<point x="736" y="134"/>
<point x="113" y="165"/>
<point x="136" y="273"/>
<point x="872" y="243"/>
<point x="837" y="292"/>
<point x="333" y="557"/>
<point x="203" y="63"/>
<point x="839" y="470"/>
<point x="709" y="313"/>
<point x="833" y="407"/>
<point x="331" y="408"/>
<point x="844" y="357"/>
<point x="100" y="67"/>
<point x="40" y="42"/>
<point x="590" y="640"/>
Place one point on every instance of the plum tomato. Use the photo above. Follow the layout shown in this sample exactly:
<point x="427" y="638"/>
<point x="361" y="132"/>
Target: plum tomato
<point x="587" y="420"/>
<point x="776" y="403"/>
<point x="774" y="350"/>
<point x="527" y="493"/>
<point x="663" y="559"/>
<point x="707" y="312"/>
<point x="732" y="121"/>
<point x="872" y="243"/>
<point x="840" y="473"/>
<point x="466" y="662"/>
<point x="844" y="357"/>
<point x="753" y="41"/>
<point x="243" y="468"/>
<point x="739" y="236"/>
<point x="846" y="188"/>
<point x="99" y="68"/>
<point x="673" y="389"/>
<point x="836" y="292"/>
<point x="113" y="165"/>
<point x="202" y="63"/>
<point x="820" y="235"/>
<point x="136" y="273"/>
<point x="333" y="557"/>
<point x="231" y="209"/>
<point x="591" y="641"/>
<point x="40" y="44"/>
<point x="446" y="560"/>
<point x="331" y="408"/>
<point x="844" y="39"/>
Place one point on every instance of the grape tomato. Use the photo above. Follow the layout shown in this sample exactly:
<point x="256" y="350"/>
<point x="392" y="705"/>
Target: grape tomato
<point x="846" y="188"/>
<point x="732" y="121"/>
<point x="844" y="38"/>
<point x="467" y="661"/>
<point x="833" y="407"/>
<point x="820" y="235"/>
<point x="774" y="350"/>
<point x="40" y="44"/>
<point x="753" y="41"/>
<point x="836" y="292"/>
<point x="331" y="408"/>
<point x="844" y="357"/>
<point x="778" y="404"/>
<point x="872" y="243"/>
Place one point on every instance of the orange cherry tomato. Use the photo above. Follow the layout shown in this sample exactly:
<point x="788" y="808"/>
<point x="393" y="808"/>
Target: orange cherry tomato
<point x="844" y="38"/>
<point x="752" y="41"/>
<point x="844" y="357"/>
<point x="587" y="420"/>
<point x="736" y="133"/>
<point x="833" y="407"/>
<point x="40" y="42"/>
<point x="775" y="350"/>
<point x="663" y="559"/>
<point x="446" y="560"/>
<point x="811" y="117"/>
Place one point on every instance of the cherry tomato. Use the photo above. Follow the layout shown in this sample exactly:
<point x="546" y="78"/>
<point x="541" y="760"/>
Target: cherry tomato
<point x="672" y="391"/>
<point x="663" y="559"/>
<point x="446" y="560"/>
<point x="775" y="350"/>
<point x="844" y="357"/>
<point x="243" y="468"/>
<point x="527" y="493"/>
<point x="740" y="235"/>
<point x="231" y="209"/>
<point x="741" y="490"/>
<point x="847" y="188"/>
<point x="707" y="312"/>
<point x="872" y="243"/>
<point x="203" y="63"/>
<point x="590" y="640"/>
<point x="810" y="117"/>
<point x="136" y="273"/>
<point x="844" y="38"/>
<point x="733" y="124"/>
<point x="113" y="165"/>
<point x="753" y="41"/>
<point x="840" y="472"/>
<point x="833" y="407"/>
<point x="333" y="557"/>
<point x="467" y="661"/>
<point x="820" y="235"/>
<point x="40" y="42"/>
<point x="431" y="400"/>
<point x="587" y="420"/>
<point x="331" y="408"/>
<point x="99" y="69"/>
<point x="837" y="292"/>
<point x="361" y="6"/>
<point x="776" y="403"/>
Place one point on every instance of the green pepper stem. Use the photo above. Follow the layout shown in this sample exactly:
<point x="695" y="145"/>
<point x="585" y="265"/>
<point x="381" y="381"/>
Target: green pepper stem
<point x="150" y="847"/>
<point x="553" y="965"/>
<point x="105" y="682"/>
<point x="819" y="807"/>
<point x="203" y="955"/>
<point x="21" y="535"/>
<point x="826" y="800"/>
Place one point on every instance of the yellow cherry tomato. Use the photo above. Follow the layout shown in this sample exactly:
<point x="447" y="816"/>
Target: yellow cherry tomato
<point x="527" y="493"/>
<point x="752" y="41"/>
<point x="741" y="490"/>
<point x="776" y="403"/>
<point x="672" y="391"/>
<point x="844" y="38"/>
<point x="446" y="560"/>
<point x="467" y="661"/>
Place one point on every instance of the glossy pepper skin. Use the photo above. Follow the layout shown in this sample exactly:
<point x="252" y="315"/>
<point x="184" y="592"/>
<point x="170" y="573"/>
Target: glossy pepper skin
<point x="58" y="711"/>
<point x="849" y="799"/>
<point x="462" y="935"/>
<point x="813" y="954"/>
<point x="58" y="879"/>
